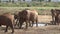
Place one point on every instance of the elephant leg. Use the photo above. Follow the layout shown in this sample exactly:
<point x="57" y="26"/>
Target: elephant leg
<point x="6" y="28"/>
<point x="20" y="25"/>
<point x="56" y="19"/>
<point x="57" y="23"/>
<point x="32" y="23"/>
<point x="53" y="19"/>
<point x="0" y="25"/>
<point x="26" y="24"/>
<point x="29" y="23"/>
<point x="36" y="22"/>
<point x="15" y="22"/>
<point x="12" y="28"/>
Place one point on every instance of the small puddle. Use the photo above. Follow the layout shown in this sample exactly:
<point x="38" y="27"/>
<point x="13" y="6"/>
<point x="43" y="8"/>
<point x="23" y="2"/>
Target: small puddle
<point x="40" y="24"/>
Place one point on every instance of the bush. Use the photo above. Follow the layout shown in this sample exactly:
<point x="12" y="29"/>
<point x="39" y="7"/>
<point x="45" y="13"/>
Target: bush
<point x="31" y="4"/>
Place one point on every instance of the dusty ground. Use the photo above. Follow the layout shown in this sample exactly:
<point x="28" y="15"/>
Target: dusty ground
<point x="49" y="29"/>
<point x="44" y="18"/>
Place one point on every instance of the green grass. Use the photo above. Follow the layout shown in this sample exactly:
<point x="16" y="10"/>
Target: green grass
<point x="31" y="4"/>
<point x="41" y="10"/>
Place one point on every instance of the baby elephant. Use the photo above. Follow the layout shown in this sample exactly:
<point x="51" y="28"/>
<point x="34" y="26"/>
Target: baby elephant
<point x="7" y="19"/>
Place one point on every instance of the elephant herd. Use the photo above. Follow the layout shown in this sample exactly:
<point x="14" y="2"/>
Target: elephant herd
<point x="28" y="16"/>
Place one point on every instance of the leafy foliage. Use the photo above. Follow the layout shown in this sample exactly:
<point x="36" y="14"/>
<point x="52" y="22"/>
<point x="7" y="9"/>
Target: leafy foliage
<point x="31" y="4"/>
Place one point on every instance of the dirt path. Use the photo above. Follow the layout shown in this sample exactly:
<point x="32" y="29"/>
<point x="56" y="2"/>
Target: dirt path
<point x="34" y="30"/>
<point x="44" y="18"/>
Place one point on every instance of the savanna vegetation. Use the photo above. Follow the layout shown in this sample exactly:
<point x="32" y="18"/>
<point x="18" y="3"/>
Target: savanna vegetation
<point x="30" y="4"/>
<point x="41" y="10"/>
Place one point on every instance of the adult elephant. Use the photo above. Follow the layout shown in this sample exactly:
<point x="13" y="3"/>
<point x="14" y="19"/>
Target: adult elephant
<point x="55" y="14"/>
<point x="8" y="20"/>
<point x="27" y="16"/>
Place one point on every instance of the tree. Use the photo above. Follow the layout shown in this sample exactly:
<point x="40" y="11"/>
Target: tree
<point x="12" y="1"/>
<point x="49" y="0"/>
<point x="33" y="0"/>
<point x="9" y="0"/>
<point x="40" y="0"/>
<point x="19" y="0"/>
